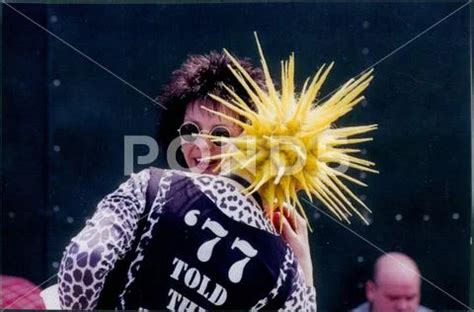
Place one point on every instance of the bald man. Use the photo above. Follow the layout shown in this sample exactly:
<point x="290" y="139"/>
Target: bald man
<point x="395" y="286"/>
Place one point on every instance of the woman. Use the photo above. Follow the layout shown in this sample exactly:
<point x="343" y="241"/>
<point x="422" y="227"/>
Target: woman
<point x="185" y="241"/>
<point x="184" y="95"/>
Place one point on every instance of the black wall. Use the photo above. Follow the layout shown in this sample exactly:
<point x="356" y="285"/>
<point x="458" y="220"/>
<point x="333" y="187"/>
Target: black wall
<point x="65" y="118"/>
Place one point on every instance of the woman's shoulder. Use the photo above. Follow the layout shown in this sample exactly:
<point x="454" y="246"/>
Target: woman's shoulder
<point x="228" y="195"/>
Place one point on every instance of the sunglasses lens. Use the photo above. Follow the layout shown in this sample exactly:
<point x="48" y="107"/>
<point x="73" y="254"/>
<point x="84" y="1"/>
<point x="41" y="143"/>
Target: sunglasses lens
<point x="188" y="131"/>
<point x="220" y="132"/>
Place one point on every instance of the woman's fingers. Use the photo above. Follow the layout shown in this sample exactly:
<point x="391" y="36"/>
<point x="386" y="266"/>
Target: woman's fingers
<point x="294" y="220"/>
<point x="291" y="218"/>
<point x="288" y="233"/>
<point x="277" y="221"/>
<point x="285" y="229"/>
<point x="300" y="221"/>
<point x="297" y="222"/>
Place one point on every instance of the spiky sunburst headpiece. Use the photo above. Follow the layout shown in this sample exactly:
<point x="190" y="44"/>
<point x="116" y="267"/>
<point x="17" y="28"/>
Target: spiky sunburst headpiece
<point x="288" y="143"/>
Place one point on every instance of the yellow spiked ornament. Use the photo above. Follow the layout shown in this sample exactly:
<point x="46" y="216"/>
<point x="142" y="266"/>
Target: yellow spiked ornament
<point x="289" y="142"/>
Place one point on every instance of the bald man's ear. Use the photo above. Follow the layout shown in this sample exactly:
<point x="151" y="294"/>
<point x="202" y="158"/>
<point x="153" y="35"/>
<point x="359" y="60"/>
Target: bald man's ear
<point x="370" y="289"/>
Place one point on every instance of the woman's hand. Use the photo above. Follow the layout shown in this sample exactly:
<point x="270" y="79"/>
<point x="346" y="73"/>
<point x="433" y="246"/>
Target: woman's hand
<point x="294" y="231"/>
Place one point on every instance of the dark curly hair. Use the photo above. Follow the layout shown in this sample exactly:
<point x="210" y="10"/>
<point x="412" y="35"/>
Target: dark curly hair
<point x="198" y="76"/>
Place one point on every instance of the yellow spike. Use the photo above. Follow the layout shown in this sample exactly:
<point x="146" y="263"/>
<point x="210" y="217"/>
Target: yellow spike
<point x="255" y="98"/>
<point x="245" y="78"/>
<point x="303" y="90"/>
<point x="236" y="121"/>
<point x="330" y="195"/>
<point x="239" y="102"/>
<point x="327" y="202"/>
<point x="219" y="156"/>
<point x="348" y="141"/>
<point x="350" y="131"/>
<point x="252" y="159"/>
<point x="356" y="160"/>
<point x="336" y="155"/>
<point x="234" y="108"/>
<point x="310" y="95"/>
<point x="348" y="191"/>
<point x="345" y="176"/>
<point x="352" y="165"/>
<point x="301" y="209"/>
<point x="341" y="195"/>
<point x="271" y="88"/>
<point x="348" y="150"/>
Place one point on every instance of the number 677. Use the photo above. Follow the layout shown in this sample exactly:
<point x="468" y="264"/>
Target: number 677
<point x="206" y="249"/>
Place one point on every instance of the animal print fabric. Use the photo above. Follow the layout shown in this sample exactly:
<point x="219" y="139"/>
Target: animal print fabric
<point x="108" y="236"/>
<point x="303" y="298"/>
<point x="153" y="218"/>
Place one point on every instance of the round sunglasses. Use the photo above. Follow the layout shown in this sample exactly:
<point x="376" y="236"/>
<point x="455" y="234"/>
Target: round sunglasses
<point x="188" y="131"/>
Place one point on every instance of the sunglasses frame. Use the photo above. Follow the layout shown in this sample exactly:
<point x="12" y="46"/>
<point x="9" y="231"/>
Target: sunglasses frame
<point x="200" y="131"/>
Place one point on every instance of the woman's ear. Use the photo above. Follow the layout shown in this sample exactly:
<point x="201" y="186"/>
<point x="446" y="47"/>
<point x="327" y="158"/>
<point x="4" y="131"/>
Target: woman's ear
<point x="370" y="289"/>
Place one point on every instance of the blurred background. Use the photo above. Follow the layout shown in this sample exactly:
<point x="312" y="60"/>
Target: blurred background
<point x="64" y="120"/>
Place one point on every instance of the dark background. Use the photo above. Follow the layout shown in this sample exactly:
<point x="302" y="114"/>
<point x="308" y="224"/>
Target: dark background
<point x="64" y="120"/>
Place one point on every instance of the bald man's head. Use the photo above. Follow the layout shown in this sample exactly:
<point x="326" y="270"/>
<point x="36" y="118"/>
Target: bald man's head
<point x="395" y="285"/>
<point x="395" y="266"/>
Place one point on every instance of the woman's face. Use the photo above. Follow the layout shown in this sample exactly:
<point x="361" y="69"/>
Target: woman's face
<point x="201" y="147"/>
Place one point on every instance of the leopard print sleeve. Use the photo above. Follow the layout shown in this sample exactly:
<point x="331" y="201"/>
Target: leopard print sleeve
<point x="106" y="238"/>
<point x="302" y="298"/>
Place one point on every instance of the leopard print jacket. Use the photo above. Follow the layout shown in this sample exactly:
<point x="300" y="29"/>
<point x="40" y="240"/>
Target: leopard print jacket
<point x="108" y="236"/>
